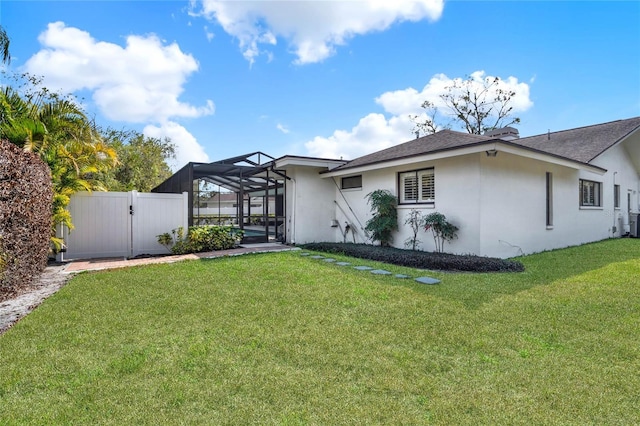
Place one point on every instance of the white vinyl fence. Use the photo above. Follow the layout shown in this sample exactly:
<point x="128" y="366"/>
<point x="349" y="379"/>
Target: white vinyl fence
<point x="121" y="224"/>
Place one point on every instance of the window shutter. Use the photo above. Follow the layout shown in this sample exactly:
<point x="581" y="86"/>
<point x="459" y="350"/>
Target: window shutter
<point x="427" y="186"/>
<point x="410" y="187"/>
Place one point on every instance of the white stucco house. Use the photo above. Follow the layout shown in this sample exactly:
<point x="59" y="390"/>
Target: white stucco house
<point x="507" y="195"/>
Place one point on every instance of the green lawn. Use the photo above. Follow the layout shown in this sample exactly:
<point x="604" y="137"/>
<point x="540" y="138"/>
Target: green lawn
<point x="283" y="339"/>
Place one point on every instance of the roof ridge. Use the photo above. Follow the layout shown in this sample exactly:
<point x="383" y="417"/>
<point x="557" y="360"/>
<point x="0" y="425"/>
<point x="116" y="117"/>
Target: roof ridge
<point x="583" y="127"/>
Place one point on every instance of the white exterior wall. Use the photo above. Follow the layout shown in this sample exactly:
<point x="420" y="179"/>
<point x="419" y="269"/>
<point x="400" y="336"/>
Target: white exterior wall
<point x="498" y="203"/>
<point x="310" y="206"/>
<point x="513" y="207"/>
<point x="618" y="162"/>
<point x="459" y="206"/>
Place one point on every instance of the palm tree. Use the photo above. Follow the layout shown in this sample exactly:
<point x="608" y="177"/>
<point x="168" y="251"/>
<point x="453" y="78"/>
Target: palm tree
<point x="4" y="46"/>
<point x="65" y="139"/>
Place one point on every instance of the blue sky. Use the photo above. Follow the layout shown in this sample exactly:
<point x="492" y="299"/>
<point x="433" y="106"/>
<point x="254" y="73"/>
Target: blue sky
<point x="323" y="78"/>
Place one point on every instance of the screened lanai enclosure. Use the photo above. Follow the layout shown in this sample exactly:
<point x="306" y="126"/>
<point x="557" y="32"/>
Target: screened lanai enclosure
<point x="245" y="192"/>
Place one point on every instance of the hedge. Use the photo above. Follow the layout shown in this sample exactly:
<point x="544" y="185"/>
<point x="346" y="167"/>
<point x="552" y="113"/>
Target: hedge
<point x="419" y="259"/>
<point x="25" y="218"/>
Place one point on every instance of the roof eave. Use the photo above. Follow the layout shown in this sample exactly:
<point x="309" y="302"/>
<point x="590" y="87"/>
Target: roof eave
<point x="477" y="147"/>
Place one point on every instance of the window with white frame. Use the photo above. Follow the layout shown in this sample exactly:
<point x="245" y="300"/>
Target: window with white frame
<point x="417" y="186"/>
<point x="590" y="193"/>
<point x="616" y="196"/>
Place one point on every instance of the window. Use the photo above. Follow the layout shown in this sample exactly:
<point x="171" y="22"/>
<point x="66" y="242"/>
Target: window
<point x="352" y="182"/>
<point x="590" y="193"/>
<point x="549" y="199"/>
<point x="616" y="196"/>
<point x="417" y="186"/>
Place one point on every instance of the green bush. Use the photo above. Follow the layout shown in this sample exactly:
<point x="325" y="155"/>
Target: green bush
<point x="419" y="259"/>
<point x="385" y="216"/>
<point x="201" y="238"/>
<point x="442" y="230"/>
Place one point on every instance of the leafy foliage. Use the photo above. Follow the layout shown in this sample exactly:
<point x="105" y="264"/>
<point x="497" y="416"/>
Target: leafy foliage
<point x="55" y="128"/>
<point x="25" y="218"/>
<point x="441" y="229"/>
<point x="476" y="104"/>
<point x="201" y="238"/>
<point x="4" y="46"/>
<point x="385" y="216"/>
<point x="419" y="259"/>
<point x="142" y="161"/>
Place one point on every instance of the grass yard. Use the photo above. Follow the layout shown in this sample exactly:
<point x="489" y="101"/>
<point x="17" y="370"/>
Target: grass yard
<point x="284" y="339"/>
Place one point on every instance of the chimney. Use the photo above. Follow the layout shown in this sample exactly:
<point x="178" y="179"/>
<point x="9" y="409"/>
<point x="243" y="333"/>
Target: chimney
<point x="505" y="133"/>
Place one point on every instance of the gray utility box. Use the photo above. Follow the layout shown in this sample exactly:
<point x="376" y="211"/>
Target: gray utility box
<point x="634" y="224"/>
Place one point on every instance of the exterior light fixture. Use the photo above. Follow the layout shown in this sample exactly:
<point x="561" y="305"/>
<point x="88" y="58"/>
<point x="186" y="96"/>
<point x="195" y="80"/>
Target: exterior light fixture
<point x="492" y="153"/>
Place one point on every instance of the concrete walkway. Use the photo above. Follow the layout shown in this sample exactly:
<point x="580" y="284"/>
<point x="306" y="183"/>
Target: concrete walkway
<point x="75" y="266"/>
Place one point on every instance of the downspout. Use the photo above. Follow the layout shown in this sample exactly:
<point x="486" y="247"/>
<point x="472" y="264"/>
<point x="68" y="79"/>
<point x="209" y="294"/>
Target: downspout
<point x="613" y="229"/>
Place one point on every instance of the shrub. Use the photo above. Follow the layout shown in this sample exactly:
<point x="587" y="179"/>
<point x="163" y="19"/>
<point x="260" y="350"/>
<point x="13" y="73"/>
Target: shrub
<point x="441" y="229"/>
<point x="25" y="218"/>
<point x="201" y="238"/>
<point x="385" y="216"/>
<point x="419" y="259"/>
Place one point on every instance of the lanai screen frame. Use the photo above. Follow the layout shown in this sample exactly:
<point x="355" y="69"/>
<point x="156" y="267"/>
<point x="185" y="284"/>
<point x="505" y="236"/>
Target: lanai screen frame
<point x="252" y="174"/>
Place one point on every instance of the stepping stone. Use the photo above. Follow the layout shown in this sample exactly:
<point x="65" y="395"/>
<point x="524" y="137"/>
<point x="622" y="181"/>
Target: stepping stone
<point x="317" y="257"/>
<point x="363" y="268"/>
<point x="427" y="280"/>
<point x="402" y="276"/>
<point x="380" y="272"/>
<point x="329" y="260"/>
<point x="343" y="263"/>
<point x="305" y="254"/>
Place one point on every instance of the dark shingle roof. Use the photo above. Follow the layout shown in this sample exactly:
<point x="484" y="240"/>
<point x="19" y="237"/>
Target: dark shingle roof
<point x="584" y="143"/>
<point x="441" y="141"/>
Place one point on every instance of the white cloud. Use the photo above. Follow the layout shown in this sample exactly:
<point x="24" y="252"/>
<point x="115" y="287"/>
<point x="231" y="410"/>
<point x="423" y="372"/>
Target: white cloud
<point x="138" y="83"/>
<point x="372" y="133"/>
<point x="408" y="101"/>
<point x="312" y="29"/>
<point x="187" y="147"/>
<point x="376" y="131"/>
<point x="283" y="128"/>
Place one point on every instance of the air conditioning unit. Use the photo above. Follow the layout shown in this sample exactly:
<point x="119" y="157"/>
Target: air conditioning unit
<point x="634" y="225"/>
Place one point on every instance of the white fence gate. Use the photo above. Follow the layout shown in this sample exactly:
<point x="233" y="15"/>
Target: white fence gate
<point x="121" y="224"/>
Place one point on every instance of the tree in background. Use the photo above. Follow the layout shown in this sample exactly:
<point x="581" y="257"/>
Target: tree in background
<point x="57" y="130"/>
<point x="476" y="104"/>
<point x="142" y="161"/>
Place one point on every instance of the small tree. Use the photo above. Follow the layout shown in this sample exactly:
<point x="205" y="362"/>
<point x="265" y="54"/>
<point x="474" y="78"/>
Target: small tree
<point x="385" y="216"/>
<point x="414" y="220"/>
<point x="475" y="104"/>
<point x="441" y="229"/>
